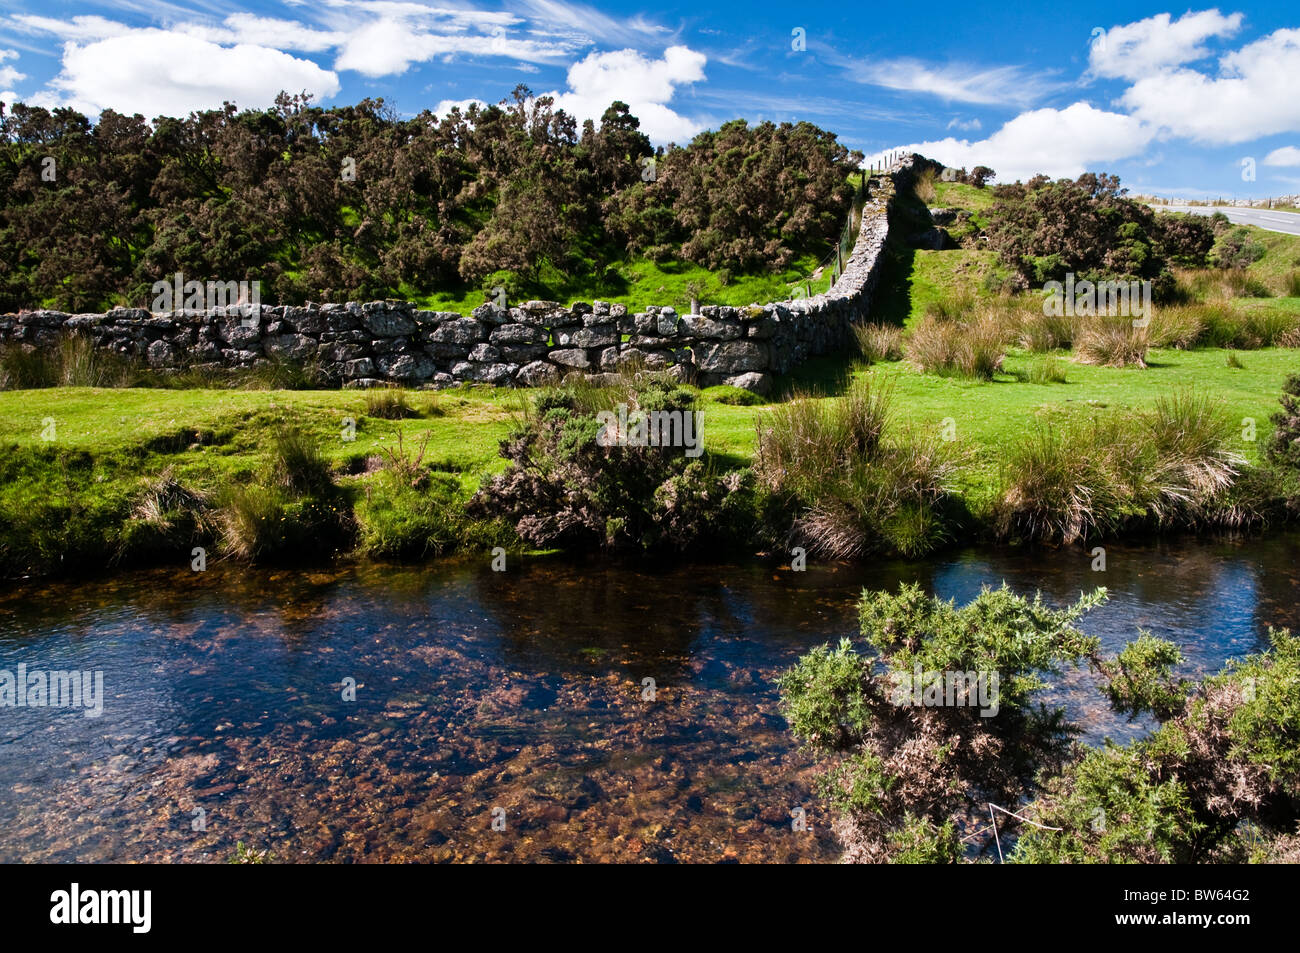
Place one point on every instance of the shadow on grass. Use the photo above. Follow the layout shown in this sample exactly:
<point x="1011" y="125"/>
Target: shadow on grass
<point x="828" y="375"/>
<point x="892" y="301"/>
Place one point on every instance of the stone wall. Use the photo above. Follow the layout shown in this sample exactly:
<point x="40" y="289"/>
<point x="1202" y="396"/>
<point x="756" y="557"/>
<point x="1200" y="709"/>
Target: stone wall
<point x="534" y="343"/>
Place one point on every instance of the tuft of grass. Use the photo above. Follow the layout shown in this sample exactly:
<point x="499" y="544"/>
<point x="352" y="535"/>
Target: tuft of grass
<point x="1172" y="465"/>
<point x="804" y="442"/>
<point x="1050" y="370"/>
<point x="1233" y="361"/>
<point x="924" y="186"/>
<point x="1112" y="342"/>
<point x="972" y="348"/>
<point x="853" y="490"/>
<point x="1047" y="332"/>
<point x="952" y="305"/>
<point x="297" y="463"/>
<point x="73" y="361"/>
<point x="387" y="403"/>
<point x="879" y="342"/>
<point x="1239" y="283"/>
<point x="1176" y="326"/>
<point x="1290" y="284"/>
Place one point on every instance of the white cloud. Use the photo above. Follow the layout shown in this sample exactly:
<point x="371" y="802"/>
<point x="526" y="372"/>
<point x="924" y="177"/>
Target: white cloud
<point x="999" y="85"/>
<point x="73" y="28"/>
<point x="1287" y="155"/>
<point x="387" y="47"/>
<point x="9" y="74"/>
<point x="1056" y="142"/>
<point x="162" y="72"/>
<point x="1254" y="94"/>
<point x="965" y="125"/>
<point x="646" y="85"/>
<point x="446" y="105"/>
<point x="1136" y="50"/>
<point x="589" y="23"/>
<point x="267" y="31"/>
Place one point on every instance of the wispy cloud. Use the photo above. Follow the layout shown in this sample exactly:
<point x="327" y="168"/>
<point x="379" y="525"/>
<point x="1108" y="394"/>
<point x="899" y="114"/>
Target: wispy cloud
<point x="953" y="82"/>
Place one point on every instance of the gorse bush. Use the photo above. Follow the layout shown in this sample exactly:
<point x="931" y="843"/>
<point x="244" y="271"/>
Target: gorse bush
<point x="1283" y="447"/>
<point x="564" y="488"/>
<point x="1216" y="781"/>
<point x="902" y="776"/>
<point x="1236" y="249"/>
<point x="1044" y="230"/>
<point x="519" y="194"/>
<point x="909" y="768"/>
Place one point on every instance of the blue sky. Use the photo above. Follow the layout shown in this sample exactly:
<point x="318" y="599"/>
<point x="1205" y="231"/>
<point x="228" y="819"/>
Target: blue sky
<point x="1196" y="102"/>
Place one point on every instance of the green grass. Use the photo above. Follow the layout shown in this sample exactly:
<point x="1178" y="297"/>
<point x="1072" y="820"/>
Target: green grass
<point x="957" y="195"/>
<point x="642" y="282"/>
<point x="156" y="425"/>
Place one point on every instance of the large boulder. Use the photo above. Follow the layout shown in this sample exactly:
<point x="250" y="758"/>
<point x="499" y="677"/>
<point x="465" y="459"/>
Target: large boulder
<point x="388" y="324"/>
<point x="732" y="357"/>
<point x="405" y="367"/>
<point x="571" y="357"/>
<point x="460" y="331"/>
<point x="538" y="374"/>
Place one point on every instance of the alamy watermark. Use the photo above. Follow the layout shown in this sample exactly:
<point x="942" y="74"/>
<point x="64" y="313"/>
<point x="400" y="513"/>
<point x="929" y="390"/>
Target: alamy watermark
<point x="657" y="428"/>
<point x="934" y="689"/>
<point x="178" y="294"/>
<point x="38" y="688"/>
<point x="1098" y="299"/>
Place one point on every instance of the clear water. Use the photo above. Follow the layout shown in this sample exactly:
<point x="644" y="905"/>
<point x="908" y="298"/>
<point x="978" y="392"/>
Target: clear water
<point x="516" y="696"/>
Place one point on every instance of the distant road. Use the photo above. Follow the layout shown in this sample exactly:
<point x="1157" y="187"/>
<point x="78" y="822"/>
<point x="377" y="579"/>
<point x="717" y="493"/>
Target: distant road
<point x="1286" y="222"/>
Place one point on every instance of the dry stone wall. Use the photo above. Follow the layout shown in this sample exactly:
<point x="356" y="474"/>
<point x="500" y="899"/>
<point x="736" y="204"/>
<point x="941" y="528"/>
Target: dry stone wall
<point x="534" y="343"/>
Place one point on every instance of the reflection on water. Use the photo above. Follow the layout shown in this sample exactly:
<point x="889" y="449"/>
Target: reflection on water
<point x="519" y="693"/>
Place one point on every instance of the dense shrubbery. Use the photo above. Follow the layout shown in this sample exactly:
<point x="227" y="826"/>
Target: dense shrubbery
<point x="564" y="488"/>
<point x="1044" y="229"/>
<point x="905" y="777"/>
<point x="353" y="202"/>
<point x="1284" y="446"/>
<point x="1218" y="781"/>
<point x="912" y="783"/>
<point x="1235" y="248"/>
